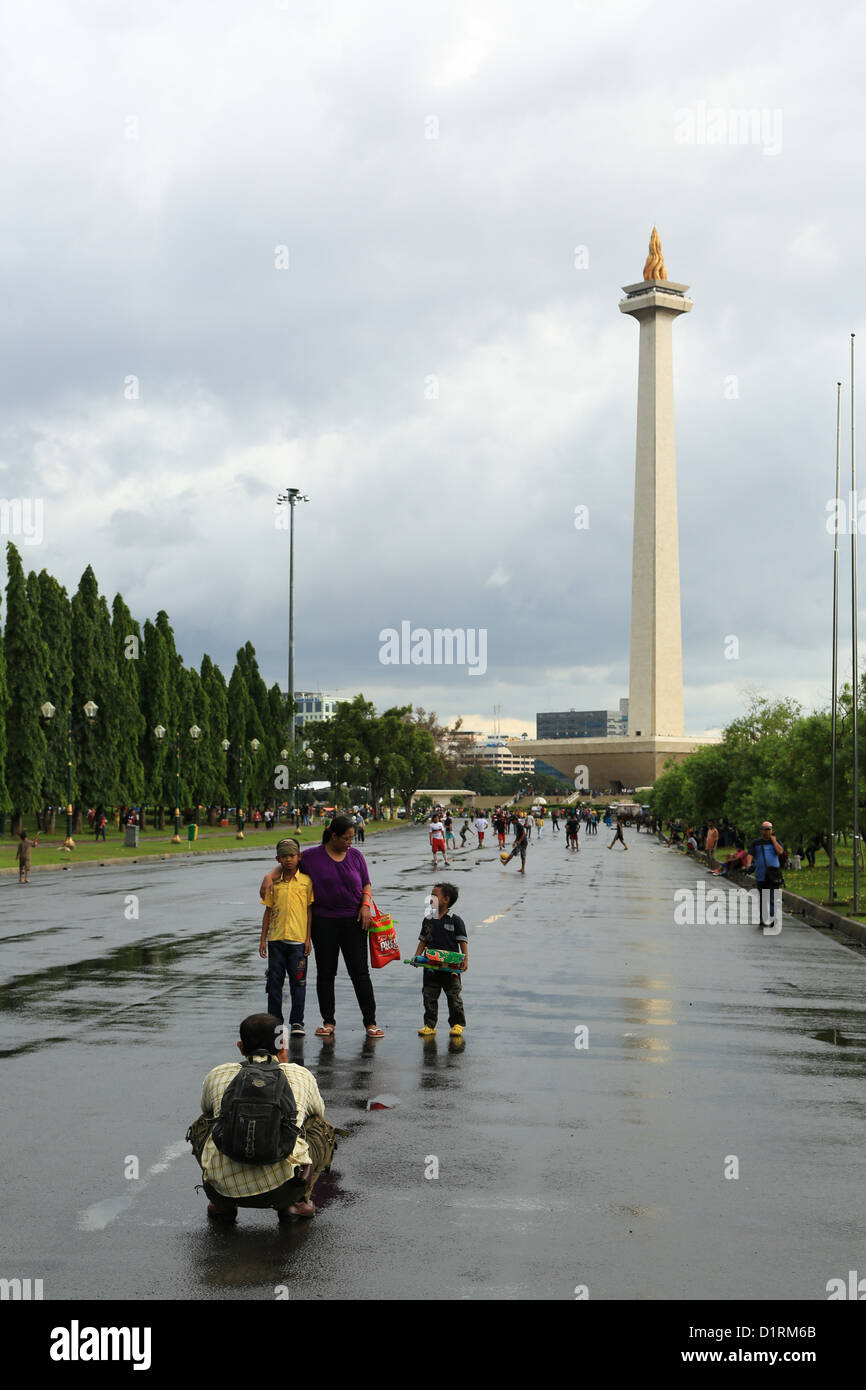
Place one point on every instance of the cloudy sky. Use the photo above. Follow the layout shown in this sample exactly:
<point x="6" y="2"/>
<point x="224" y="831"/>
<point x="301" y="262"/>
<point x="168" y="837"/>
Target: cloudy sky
<point x="375" y="251"/>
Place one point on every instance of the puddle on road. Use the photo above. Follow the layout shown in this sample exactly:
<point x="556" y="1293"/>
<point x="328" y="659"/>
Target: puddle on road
<point x="626" y="1210"/>
<point x="124" y="961"/>
<point x="832" y="1035"/>
<point x="648" y="1044"/>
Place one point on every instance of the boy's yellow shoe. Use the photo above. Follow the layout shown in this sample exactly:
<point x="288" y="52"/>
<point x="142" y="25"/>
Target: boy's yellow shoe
<point x="426" y="1032"/>
<point x="457" y="1030"/>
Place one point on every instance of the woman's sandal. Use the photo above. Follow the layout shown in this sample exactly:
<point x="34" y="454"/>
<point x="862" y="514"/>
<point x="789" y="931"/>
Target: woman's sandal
<point x="326" y="1030"/>
<point x="374" y="1032"/>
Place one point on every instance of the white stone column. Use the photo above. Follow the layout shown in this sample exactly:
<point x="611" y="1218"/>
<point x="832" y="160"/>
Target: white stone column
<point x="656" y="656"/>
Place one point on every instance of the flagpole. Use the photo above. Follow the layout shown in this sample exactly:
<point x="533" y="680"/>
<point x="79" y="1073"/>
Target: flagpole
<point x="836" y="641"/>
<point x="835" y="655"/>
<point x="855" y="678"/>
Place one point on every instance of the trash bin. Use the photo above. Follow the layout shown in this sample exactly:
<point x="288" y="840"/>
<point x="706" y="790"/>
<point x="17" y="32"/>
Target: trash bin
<point x="191" y="835"/>
<point x="131" y="838"/>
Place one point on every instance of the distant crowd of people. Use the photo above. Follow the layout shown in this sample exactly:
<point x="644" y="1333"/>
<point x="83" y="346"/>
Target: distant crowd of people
<point x="710" y="837"/>
<point x="521" y="825"/>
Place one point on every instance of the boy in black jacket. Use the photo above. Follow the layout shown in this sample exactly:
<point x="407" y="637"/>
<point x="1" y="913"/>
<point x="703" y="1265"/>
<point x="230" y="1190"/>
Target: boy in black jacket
<point x="443" y="932"/>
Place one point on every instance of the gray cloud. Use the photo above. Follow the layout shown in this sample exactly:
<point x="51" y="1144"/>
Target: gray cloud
<point x="431" y="367"/>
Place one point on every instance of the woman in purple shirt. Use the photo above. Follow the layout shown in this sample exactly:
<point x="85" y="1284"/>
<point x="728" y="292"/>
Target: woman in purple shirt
<point x="341" y="916"/>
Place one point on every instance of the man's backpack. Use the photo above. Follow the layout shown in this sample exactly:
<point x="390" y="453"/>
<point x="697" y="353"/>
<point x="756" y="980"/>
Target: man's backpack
<point x="258" y="1120"/>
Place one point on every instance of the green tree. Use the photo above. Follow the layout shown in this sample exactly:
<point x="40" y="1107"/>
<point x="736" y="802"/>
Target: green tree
<point x="27" y="681"/>
<point x="95" y="742"/>
<point x="5" y="801"/>
<point x="241" y="718"/>
<point x="756" y="745"/>
<point x="215" y="760"/>
<point x="414" y="756"/>
<point x="358" y="730"/>
<point x="669" y="794"/>
<point x="197" y="772"/>
<point x="126" y="713"/>
<point x="265" y="759"/>
<point x="157" y="703"/>
<point x="55" y="618"/>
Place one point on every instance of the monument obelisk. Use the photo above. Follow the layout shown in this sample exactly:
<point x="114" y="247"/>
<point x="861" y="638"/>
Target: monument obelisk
<point x="655" y="712"/>
<point x="655" y="708"/>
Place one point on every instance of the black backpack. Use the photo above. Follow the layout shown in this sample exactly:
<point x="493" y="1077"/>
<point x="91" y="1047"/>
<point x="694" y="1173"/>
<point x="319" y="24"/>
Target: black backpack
<point x="258" y="1120"/>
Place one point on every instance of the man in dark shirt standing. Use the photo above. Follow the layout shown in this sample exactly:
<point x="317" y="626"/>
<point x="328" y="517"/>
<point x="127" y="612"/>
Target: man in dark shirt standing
<point x="444" y="932"/>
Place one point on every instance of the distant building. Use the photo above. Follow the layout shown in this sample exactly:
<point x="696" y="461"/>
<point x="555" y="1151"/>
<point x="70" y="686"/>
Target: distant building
<point x="445" y="796"/>
<point x="583" y="723"/>
<point x="501" y="754"/>
<point x="313" y="707"/>
<point x="460" y="739"/>
<point x="543" y="769"/>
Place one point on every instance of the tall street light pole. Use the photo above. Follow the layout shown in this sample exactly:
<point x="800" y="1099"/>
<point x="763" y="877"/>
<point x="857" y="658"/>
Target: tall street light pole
<point x="854" y="655"/>
<point x="290" y="498"/>
<point x="835" y="658"/>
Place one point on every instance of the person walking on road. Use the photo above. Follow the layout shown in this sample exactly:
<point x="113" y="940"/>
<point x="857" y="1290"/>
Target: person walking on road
<point x="437" y="841"/>
<point x="710" y="844"/>
<point x="341" y="919"/>
<point x="480" y="827"/>
<point x="22" y="851"/>
<point x="619" y="835"/>
<point x="572" y="829"/>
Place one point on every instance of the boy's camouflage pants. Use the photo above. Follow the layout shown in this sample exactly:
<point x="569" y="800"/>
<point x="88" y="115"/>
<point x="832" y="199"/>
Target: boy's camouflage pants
<point x="436" y="981"/>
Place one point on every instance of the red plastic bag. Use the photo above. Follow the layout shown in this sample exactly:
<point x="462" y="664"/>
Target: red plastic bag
<point x="383" y="939"/>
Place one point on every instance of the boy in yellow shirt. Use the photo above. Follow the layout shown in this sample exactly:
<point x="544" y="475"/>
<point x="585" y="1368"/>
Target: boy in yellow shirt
<point x="285" y="941"/>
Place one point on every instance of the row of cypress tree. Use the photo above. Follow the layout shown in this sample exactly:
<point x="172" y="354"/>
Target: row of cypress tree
<point x="68" y="651"/>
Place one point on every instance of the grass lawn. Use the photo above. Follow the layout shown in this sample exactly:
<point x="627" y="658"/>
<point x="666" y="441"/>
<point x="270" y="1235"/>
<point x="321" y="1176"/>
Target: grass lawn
<point x="211" y="839"/>
<point x="815" y="883"/>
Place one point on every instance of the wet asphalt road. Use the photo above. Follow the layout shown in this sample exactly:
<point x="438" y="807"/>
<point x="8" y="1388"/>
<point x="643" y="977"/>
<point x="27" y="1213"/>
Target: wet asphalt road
<point x="558" y="1166"/>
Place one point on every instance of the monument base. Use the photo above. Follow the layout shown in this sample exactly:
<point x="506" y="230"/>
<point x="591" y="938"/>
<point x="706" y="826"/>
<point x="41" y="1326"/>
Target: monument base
<point x="614" y="763"/>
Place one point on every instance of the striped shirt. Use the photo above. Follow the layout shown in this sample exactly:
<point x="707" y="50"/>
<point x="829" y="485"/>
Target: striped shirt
<point x="234" y="1179"/>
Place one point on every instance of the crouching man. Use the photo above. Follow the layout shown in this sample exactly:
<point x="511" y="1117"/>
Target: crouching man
<point x="262" y="1139"/>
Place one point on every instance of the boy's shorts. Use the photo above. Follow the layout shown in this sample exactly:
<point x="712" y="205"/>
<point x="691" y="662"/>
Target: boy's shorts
<point x="438" y="846"/>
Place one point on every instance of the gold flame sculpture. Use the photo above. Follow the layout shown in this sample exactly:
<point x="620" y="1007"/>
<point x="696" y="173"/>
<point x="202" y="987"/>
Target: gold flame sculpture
<point x="655" y="263"/>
